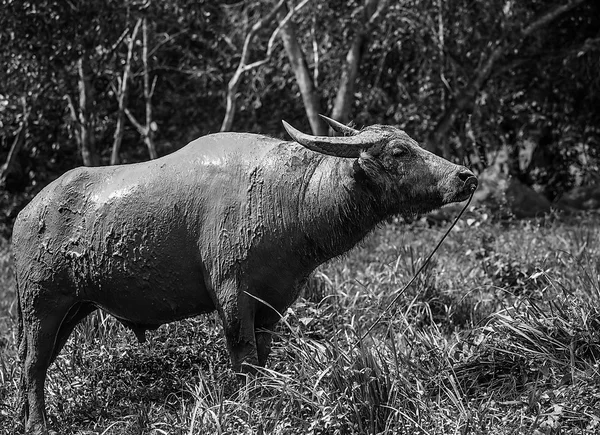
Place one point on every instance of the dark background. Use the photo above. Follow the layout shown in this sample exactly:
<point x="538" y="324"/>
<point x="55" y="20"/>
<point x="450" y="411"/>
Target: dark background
<point x="478" y="82"/>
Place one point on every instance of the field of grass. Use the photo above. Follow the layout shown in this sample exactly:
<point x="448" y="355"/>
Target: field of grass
<point x="499" y="335"/>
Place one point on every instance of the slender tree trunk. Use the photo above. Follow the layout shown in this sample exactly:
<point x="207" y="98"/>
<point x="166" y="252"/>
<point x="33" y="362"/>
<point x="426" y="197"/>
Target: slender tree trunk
<point x="442" y="52"/>
<point x="148" y="92"/>
<point x="436" y="141"/>
<point x="86" y="124"/>
<point x="17" y="144"/>
<point x="345" y="94"/>
<point x="310" y="97"/>
<point x="122" y="93"/>
<point x="147" y="130"/>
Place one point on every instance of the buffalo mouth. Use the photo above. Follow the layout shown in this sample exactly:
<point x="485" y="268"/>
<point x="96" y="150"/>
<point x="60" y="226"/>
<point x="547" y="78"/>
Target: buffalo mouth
<point x="436" y="197"/>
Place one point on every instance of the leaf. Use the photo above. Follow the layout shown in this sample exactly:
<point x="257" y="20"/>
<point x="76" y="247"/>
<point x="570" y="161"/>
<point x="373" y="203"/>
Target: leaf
<point x="305" y="320"/>
<point x="536" y="275"/>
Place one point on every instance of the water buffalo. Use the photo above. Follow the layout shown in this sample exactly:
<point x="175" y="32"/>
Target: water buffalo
<point x="225" y="223"/>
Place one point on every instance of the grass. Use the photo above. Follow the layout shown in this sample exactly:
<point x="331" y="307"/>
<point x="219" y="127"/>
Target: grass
<point x="500" y="335"/>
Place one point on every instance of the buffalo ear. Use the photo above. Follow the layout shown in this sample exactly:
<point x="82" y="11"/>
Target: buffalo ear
<point x="358" y="172"/>
<point x="367" y="167"/>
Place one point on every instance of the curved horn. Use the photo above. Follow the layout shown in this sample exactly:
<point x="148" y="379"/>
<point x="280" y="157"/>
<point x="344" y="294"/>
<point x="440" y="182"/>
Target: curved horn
<point x="349" y="146"/>
<point x="339" y="127"/>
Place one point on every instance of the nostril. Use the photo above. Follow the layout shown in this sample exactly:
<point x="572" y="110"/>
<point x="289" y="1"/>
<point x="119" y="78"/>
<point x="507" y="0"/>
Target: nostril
<point x="465" y="174"/>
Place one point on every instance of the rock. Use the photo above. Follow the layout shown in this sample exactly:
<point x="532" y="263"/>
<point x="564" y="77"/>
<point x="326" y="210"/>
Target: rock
<point x="524" y="202"/>
<point x="503" y="196"/>
<point x="581" y="198"/>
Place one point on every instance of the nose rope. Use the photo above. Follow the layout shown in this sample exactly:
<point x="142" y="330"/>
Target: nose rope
<point x="417" y="273"/>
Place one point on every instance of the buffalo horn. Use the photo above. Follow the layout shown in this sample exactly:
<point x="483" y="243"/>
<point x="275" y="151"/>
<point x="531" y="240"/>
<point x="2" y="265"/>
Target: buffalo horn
<point x="341" y="146"/>
<point x="339" y="127"/>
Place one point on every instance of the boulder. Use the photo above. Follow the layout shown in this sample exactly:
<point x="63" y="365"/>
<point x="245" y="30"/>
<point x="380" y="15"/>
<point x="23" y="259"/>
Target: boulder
<point x="524" y="202"/>
<point x="581" y="198"/>
<point x="503" y="196"/>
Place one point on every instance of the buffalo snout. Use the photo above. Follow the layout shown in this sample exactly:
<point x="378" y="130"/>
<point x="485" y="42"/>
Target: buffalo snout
<point x="468" y="178"/>
<point x="462" y="183"/>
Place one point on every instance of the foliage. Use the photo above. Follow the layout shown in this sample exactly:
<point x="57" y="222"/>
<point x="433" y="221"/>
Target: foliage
<point x="539" y="103"/>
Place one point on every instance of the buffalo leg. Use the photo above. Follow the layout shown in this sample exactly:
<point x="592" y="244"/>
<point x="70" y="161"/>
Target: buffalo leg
<point x="237" y="315"/>
<point x="75" y="315"/>
<point x="263" y="345"/>
<point x="266" y="318"/>
<point x="42" y="319"/>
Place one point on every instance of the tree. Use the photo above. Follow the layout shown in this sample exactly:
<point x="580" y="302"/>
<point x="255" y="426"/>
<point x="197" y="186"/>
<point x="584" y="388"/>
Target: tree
<point x="510" y="40"/>
<point x="82" y="112"/>
<point x="17" y="144"/>
<point x="149" y="127"/>
<point x="121" y="93"/>
<point x="243" y="67"/>
<point x="370" y="13"/>
<point x="310" y="97"/>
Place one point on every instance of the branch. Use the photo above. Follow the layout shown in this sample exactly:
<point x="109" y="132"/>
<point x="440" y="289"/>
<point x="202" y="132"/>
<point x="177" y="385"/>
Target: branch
<point x="255" y="29"/>
<point x="115" y="45"/>
<point x="243" y="67"/>
<point x="375" y="16"/>
<point x="74" y="117"/>
<point x="168" y="39"/>
<point x="546" y="18"/>
<point x="139" y="127"/>
<point x="121" y="94"/>
<point x="271" y="44"/>
<point x="486" y="70"/>
<point x="122" y="89"/>
<point x="315" y="48"/>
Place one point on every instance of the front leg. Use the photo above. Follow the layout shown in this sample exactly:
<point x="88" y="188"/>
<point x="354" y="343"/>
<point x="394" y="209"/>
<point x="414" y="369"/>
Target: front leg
<point x="263" y="344"/>
<point x="237" y="311"/>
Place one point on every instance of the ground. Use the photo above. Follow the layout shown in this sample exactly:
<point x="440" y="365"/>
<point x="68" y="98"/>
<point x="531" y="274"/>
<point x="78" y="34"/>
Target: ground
<point x="499" y="335"/>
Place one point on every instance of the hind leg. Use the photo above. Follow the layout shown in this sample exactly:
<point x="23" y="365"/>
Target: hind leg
<point x="43" y="316"/>
<point x="75" y="315"/>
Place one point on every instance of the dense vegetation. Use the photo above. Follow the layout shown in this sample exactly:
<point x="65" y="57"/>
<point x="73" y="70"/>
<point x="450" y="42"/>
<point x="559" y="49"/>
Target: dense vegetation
<point x="500" y="334"/>
<point x="104" y="81"/>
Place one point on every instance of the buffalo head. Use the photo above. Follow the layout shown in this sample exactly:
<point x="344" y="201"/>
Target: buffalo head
<point x="405" y="177"/>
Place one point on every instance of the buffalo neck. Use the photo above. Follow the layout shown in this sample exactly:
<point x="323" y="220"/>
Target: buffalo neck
<point x="337" y="211"/>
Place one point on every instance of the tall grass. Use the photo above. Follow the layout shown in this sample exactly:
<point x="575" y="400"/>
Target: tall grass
<point x="500" y="335"/>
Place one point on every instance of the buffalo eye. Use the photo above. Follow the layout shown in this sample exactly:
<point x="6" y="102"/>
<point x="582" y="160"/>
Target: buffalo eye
<point x="400" y="150"/>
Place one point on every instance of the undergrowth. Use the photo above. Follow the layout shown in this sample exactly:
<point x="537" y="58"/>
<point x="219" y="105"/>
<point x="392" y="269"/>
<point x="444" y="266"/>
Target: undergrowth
<point x="500" y="335"/>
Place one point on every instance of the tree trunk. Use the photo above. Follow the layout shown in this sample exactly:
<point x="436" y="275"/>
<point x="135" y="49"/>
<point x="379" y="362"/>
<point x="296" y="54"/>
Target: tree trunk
<point x="148" y="92"/>
<point x="345" y="94"/>
<point x="122" y="92"/>
<point x="9" y="165"/>
<point x="86" y="124"/>
<point x="310" y="97"/>
<point x="436" y="140"/>
<point x="147" y="130"/>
